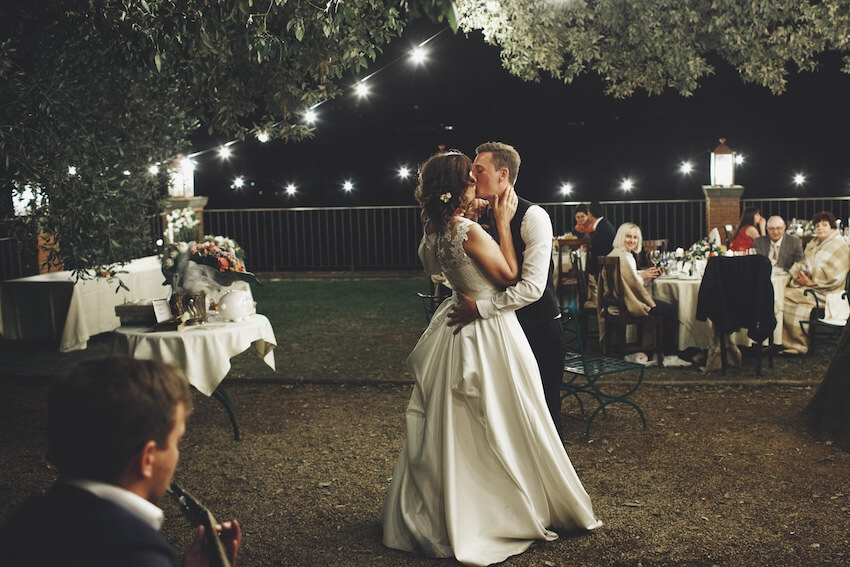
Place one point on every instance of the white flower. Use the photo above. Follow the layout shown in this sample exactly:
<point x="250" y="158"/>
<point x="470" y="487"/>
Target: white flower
<point x="680" y="252"/>
<point x="445" y="197"/>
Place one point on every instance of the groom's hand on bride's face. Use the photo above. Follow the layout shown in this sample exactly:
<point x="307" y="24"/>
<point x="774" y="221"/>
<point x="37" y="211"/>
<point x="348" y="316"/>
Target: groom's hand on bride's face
<point x="464" y="312"/>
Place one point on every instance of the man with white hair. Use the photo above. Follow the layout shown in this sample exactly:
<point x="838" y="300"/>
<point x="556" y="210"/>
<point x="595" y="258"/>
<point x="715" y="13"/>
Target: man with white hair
<point x="782" y="249"/>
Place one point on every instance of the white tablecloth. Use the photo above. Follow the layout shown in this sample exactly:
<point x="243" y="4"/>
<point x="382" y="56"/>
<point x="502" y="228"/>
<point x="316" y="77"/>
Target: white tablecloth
<point x="693" y="333"/>
<point x="202" y="351"/>
<point x="51" y="306"/>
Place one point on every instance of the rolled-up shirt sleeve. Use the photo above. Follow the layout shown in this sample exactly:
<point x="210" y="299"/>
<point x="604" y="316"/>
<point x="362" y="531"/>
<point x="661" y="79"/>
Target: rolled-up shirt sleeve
<point x="536" y="232"/>
<point x="428" y="253"/>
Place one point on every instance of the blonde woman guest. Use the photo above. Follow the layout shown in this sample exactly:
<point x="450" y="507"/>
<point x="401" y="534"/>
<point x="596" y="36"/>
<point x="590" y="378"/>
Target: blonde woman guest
<point x="628" y="243"/>
<point x="823" y="270"/>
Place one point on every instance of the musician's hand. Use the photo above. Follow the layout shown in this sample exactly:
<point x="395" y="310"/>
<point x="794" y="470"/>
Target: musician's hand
<point x="231" y="537"/>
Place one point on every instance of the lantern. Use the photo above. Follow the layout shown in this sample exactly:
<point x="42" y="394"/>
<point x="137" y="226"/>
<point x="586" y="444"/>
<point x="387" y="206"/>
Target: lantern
<point x="722" y="165"/>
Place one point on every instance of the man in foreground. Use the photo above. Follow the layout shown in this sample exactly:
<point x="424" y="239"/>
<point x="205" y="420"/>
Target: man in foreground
<point x="113" y="431"/>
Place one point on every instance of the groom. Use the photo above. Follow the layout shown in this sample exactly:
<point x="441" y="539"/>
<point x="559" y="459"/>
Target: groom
<point x="533" y="297"/>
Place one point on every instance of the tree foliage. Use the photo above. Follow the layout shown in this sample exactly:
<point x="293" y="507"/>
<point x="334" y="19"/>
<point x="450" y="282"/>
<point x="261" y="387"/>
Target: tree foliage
<point x="654" y="45"/>
<point x="111" y="87"/>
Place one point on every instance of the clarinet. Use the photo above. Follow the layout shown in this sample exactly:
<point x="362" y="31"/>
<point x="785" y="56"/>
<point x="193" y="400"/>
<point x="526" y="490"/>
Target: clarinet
<point x="200" y="515"/>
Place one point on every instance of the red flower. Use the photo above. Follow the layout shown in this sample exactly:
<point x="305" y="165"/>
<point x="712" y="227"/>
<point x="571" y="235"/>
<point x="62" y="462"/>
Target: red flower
<point x="223" y="264"/>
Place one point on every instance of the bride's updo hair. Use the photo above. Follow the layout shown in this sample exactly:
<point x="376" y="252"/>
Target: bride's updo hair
<point x="443" y="180"/>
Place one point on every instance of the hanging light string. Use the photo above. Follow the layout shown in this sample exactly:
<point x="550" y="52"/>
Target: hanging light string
<point x="416" y="55"/>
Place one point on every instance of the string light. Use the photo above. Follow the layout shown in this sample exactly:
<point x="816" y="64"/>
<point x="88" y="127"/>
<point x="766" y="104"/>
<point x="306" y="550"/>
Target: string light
<point x="348" y="186"/>
<point x="566" y="189"/>
<point x="361" y="89"/>
<point x="799" y="179"/>
<point x="290" y="189"/>
<point x="224" y="152"/>
<point x="310" y="116"/>
<point x="418" y="55"/>
<point x="72" y="170"/>
<point x="263" y="136"/>
<point x="238" y="183"/>
<point x="686" y="168"/>
<point x="403" y="172"/>
<point x="739" y="159"/>
<point x="627" y="184"/>
<point x="154" y="169"/>
<point x="126" y="172"/>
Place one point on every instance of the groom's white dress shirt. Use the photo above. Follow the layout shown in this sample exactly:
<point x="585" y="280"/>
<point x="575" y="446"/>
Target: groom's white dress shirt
<point x="536" y="232"/>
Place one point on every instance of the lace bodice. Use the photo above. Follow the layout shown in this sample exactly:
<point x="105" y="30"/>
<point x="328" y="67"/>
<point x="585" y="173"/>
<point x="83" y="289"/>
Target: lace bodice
<point x="455" y="263"/>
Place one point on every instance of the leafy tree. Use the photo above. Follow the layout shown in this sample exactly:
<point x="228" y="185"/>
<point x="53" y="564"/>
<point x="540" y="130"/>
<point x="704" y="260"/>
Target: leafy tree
<point x="654" y="45"/>
<point x="110" y="87"/>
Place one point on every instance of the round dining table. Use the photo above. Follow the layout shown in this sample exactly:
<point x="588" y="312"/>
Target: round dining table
<point x="684" y="290"/>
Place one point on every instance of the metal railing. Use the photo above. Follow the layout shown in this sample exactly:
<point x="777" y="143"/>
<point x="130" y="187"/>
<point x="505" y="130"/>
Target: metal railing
<point x="386" y="238"/>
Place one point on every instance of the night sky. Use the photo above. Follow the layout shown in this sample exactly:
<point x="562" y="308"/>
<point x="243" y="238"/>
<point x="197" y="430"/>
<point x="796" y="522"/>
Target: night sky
<point x="461" y="96"/>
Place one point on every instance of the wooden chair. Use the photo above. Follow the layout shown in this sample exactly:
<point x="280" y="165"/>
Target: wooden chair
<point x="572" y="282"/>
<point x="650" y="245"/>
<point x="816" y="319"/>
<point x="611" y="309"/>
<point x="581" y="373"/>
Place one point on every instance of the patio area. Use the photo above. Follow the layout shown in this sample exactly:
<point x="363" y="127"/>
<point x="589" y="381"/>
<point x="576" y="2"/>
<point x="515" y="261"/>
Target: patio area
<point x="724" y="475"/>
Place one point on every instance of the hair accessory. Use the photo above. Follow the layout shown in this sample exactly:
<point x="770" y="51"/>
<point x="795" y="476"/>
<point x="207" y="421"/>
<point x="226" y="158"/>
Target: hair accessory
<point x="445" y="197"/>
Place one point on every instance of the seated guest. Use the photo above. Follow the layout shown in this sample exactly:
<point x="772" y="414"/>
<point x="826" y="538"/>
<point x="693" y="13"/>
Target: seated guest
<point x="628" y="242"/>
<point x="583" y="226"/>
<point x="602" y="237"/>
<point x="749" y="228"/>
<point x="113" y="428"/>
<point x="783" y="250"/>
<point x="823" y="270"/>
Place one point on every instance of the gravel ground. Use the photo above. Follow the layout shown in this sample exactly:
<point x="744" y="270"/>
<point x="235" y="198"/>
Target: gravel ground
<point x="724" y="475"/>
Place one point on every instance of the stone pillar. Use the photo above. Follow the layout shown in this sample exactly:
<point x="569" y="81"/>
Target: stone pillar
<point x="722" y="207"/>
<point x="175" y="203"/>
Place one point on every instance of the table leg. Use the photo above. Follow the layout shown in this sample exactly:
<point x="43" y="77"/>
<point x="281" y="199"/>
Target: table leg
<point x="222" y="397"/>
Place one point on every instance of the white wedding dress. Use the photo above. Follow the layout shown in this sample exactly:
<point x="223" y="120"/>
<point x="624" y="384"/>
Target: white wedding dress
<point x="482" y="474"/>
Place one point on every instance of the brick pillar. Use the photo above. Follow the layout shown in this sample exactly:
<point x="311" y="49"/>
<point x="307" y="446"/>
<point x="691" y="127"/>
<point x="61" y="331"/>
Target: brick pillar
<point x="722" y="207"/>
<point x="44" y="243"/>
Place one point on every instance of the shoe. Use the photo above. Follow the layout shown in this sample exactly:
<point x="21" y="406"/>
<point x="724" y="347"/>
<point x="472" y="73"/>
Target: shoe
<point x="673" y="360"/>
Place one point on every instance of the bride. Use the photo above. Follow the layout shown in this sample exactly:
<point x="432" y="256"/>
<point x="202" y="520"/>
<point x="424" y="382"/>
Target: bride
<point x="483" y="473"/>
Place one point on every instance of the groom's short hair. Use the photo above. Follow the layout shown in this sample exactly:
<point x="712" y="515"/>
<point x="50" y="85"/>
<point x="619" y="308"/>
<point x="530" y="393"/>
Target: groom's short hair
<point x="504" y="155"/>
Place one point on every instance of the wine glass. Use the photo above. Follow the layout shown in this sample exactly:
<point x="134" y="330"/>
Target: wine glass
<point x="654" y="257"/>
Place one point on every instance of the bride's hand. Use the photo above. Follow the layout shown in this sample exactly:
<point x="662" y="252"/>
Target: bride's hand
<point x="504" y="208"/>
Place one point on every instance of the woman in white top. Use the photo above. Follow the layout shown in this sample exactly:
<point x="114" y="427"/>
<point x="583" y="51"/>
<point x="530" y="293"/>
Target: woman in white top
<point x="628" y="243"/>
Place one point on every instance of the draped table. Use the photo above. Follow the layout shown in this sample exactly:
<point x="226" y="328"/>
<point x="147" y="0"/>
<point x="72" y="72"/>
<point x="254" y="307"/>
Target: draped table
<point x="55" y="306"/>
<point x="203" y="352"/>
<point x="684" y="290"/>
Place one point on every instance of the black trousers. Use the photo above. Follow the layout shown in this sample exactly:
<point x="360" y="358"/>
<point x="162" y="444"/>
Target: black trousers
<point x="547" y="344"/>
<point x="669" y="313"/>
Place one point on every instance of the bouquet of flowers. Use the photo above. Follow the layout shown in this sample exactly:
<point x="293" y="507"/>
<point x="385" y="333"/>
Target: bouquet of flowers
<point x="697" y="254"/>
<point x="220" y="253"/>
<point x="182" y="225"/>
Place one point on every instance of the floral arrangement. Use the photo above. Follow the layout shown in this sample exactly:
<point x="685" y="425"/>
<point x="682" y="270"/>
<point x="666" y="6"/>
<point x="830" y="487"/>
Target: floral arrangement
<point x="182" y="225"/>
<point x="699" y="250"/>
<point x="223" y="254"/>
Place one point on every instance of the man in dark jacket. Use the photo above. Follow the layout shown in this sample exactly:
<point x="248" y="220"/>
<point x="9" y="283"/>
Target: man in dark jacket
<point x="113" y="431"/>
